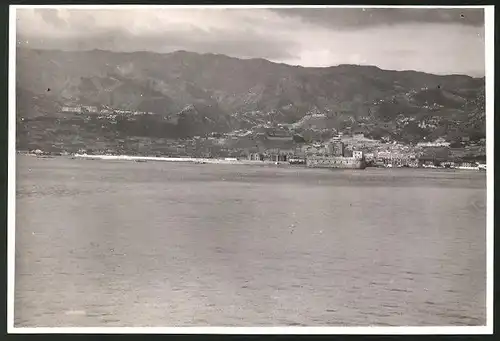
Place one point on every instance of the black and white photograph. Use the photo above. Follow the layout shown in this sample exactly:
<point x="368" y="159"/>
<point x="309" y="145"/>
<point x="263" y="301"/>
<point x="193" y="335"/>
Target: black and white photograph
<point x="227" y="169"/>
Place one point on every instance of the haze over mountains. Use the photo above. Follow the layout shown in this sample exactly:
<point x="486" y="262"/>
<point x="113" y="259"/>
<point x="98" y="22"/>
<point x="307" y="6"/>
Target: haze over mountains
<point x="192" y="94"/>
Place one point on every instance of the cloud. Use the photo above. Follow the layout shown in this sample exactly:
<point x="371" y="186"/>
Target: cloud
<point x="430" y="40"/>
<point x="349" y="18"/>
<point x="434" y="48"/>
<point x="51" y="16"/>
<point x="224" y="31"/>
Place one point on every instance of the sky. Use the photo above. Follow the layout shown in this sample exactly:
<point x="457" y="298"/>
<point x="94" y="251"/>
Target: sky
<point x="439" y="41"/>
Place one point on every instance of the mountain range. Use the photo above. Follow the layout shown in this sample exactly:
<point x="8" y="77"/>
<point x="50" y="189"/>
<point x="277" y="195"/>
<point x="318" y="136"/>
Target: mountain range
<point x="194" y="94"/>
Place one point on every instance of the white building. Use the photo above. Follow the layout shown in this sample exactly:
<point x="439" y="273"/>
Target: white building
<point x="357" y="154"/>
<point x="90" y="108"/>
<point x="71" y="109"/>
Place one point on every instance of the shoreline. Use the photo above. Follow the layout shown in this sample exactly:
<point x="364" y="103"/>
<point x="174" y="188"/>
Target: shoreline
<point x="176" y="159"/>
<point x="218" y="161"/>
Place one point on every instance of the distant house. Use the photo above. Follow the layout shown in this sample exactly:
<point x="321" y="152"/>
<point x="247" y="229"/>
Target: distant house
<point x="283" y="157"/>
<point x="440" y="142"/>
<point x="448" y="164"/>
<point x="370" y="156"/>
<point x="357" y="154"/>
<point x="71" y="109"/>
<point x="384" y="155"/>
<point x="359" y="133"/>
<point x="336" y="148"/>
<point x="88" y="108"/>
<point x="279" y="136"/>
<point x="255" y="157"/>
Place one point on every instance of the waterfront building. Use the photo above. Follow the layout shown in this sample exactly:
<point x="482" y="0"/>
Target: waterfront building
<point x="71" y="109"/>
<point x="467" y="164"/>
<point x="89" y="108"/>
<point x="255" y="157"/>
<point x="357" y="154"/>
<point x="336" y="148"/>
<point x="448" y="164"/>
<point x="297" y="161"/>
<point x="279" y="157"/>
<point x="317" y="161"/>
<point x="335" y="158"/>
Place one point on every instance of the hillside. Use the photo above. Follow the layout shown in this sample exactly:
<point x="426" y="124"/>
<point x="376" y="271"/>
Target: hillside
<point x="192" y="94"/>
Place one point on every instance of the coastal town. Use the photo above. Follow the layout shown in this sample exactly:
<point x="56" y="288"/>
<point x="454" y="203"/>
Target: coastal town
<point x="98" y="130"/>
<point x="283" y="150"/>
<point x="266" y="169"/>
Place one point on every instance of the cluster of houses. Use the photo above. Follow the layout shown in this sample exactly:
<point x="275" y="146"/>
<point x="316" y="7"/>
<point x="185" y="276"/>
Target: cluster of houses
<point x="104" y="110"/>
<point x="271" y="156"/>
<point x="436" y="155"/>
<point x="387" y="160"/>
<point x="80" y="109"/>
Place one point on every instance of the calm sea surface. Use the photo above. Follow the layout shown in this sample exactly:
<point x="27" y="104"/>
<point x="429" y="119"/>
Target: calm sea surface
<point x="120" y="243"/>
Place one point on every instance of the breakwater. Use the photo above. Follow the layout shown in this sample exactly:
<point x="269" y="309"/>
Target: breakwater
<point x="177" y="159"/>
